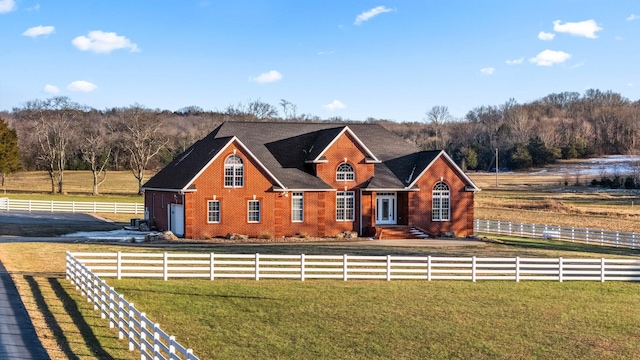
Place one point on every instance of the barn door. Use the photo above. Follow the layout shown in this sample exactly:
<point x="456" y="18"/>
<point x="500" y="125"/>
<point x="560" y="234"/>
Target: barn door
<point x="176" y="219"/>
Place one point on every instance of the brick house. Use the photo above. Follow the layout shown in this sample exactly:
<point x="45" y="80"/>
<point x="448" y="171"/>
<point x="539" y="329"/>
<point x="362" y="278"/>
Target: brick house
<point x="317" y="179"/>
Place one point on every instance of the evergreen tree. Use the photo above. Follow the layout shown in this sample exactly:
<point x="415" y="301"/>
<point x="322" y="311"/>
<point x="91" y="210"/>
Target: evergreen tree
<point x="9" y="153"/>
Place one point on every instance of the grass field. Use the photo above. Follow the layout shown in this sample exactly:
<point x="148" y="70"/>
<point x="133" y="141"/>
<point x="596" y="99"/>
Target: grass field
<point x="230" y="319"/>
<point x="120" y="186"/>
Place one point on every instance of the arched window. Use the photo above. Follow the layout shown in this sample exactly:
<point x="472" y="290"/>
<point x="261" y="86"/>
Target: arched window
<point x="233" y="172"/>
<point x="345" y="172"/>
<point x="441" y="204"/>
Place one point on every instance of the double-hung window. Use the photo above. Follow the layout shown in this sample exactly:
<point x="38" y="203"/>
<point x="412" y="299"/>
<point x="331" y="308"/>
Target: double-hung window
<point x="213" y="211"/>
<point x="253" y="211"/>
<point x="441" y="202"/>
<point x="345" y="203"/>
<point x="233" y="172"/>
<point x="297" y="207"/>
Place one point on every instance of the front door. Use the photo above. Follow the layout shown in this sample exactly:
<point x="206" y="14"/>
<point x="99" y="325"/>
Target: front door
<point x="386" y="209"/>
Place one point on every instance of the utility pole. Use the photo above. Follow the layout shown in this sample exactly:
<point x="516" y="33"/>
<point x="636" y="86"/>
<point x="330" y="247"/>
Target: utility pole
<point x="496" y="167"/>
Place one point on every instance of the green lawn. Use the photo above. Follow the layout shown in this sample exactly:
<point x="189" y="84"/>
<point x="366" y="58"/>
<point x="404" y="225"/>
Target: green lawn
<point x="245" y="319"/>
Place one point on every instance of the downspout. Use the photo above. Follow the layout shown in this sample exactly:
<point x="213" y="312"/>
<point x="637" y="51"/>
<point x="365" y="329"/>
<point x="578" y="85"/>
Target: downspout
<point x="360" y="233"/>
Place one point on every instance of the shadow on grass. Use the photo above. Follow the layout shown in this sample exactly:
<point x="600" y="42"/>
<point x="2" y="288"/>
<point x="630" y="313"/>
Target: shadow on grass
<point x="71" y="308"/>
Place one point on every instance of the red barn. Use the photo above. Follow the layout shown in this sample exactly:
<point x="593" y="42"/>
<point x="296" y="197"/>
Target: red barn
<point x="315" y="179"/>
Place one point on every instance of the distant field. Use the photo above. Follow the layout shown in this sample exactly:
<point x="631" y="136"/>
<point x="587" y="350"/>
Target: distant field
<point x="541" y="197"/>
<point x="76" y="183"/>
<point x="288" y="319"/>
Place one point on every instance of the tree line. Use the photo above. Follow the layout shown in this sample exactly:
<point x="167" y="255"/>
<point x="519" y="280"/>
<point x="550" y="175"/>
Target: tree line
<point x="58" y="134"/>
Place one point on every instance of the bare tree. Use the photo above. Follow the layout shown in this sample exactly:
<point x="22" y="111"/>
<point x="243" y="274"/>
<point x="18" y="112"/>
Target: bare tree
<point x="142" y="137"/>
<point x="289" y="109"/>
<point x="438" y="116"/>
<point x="96" y="147"/>
<point x="255" y="110"/>
<point x="51" y="123"/>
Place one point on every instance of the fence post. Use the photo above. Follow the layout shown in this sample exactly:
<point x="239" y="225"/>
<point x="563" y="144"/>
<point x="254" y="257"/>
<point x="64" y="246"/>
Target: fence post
<point x="388" y="267"/>
<point x="131" y="328"/>
<point x="143" y="335"/>
<point x="533" y="230"/>
<point x="172" y="346"/>
<point x="120" y="316"/>
<point x="601" y="237"/>
<point x="601" y="269"/>
<point x="51" y="205"/>
<point x="429" y="266"/>
<point x="301" y="267"/>
<point x="165" y="266"/>
<point x="211" y="266"/>
<point x="473" y="269"/>
<point x="156" y="341"/>
<point x="573" y="234"/>
<point x="517" y="268"/>
<point x="633" y="240"/>
<point x="617" y="237"/>
<point x="521" y="230"/>
<point x="119" y="266"/>
<point x="344" y="267"/>
<point x="257" y="266"/>
<point x="73" y="206"/>
<point x="586" y="235"/>
<point x="560" y="269"/>
<point x="94" y="206"/>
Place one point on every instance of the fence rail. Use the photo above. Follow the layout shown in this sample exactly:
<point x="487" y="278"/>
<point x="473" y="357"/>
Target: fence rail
<point x="347" y="267"/>
<point x="71" y="206"/>
<point x="141" y="333"/>
<point x="583" y="235"/>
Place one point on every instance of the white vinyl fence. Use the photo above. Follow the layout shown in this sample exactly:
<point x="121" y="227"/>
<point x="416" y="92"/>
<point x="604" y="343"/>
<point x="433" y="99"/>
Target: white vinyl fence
<point x="141" y="333"/>
<point x="71" y="206"/>
<point x="564" y="233"/>
<point x="347" y="267"/>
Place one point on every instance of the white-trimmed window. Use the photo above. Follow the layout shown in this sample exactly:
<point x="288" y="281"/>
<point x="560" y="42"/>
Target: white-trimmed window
<point x="253" y="211"/>
<point x="297" y="207"/>
<point x="233" y="172"/>
<point x="441" y="202"/>
<point x="345" y="172"/>
<point x="345" y="201"/>
<point x="213" y="211"/>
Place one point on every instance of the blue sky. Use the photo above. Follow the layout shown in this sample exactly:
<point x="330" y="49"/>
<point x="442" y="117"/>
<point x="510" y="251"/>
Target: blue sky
<point x="355" y="59"/>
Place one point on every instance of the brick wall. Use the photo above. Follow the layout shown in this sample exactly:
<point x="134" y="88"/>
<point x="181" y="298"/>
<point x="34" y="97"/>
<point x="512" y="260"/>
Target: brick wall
<point x="461" y="202"/>
<point x="157" y="203"/>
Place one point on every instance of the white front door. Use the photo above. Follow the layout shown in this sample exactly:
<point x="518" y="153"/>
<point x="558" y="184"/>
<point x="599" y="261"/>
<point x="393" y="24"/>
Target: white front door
<point x="386" y="209"/>
<point x="176" y="219"/>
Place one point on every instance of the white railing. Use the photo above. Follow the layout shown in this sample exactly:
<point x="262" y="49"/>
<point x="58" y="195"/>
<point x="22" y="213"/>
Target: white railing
<point x="347" y="267"/>
<point x="141" y="333"/>
<point x="564" y="233"/>
<point x="71" y="206"/>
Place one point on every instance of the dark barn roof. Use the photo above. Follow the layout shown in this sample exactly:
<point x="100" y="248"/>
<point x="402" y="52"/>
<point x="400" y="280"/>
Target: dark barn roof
<point x="286" y="149"/>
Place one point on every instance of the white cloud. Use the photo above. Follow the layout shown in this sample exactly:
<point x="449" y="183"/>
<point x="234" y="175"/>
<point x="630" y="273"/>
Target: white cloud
<point x="267" y="77"/>
<point x="487" y="70"/>
<point x="630" y="84"/>
<point x="581" y="63"/>
<point x="51" y="89"/>
<point x="515" y="61"/>
<point x="36" y="31"/>
<point x="618" y="37"/>
<point x="587" y="28"/>
<point x="633" y="17"/>
<point x="546" y="36"/>
<point x="82" y="86"/>
<point x="35" y="7"/>
<point x="335" y="105"/>
<point x="550" y="57"/>
<point x="101" y="42"/>
<point x="367" y="15"/>
<point x="7" y="6"/>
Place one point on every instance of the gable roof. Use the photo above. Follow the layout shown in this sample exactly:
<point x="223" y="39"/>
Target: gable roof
<point x="284" y="151"/>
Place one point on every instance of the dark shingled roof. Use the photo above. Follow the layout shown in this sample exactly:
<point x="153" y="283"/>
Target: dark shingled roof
<point x="284" y="148"/>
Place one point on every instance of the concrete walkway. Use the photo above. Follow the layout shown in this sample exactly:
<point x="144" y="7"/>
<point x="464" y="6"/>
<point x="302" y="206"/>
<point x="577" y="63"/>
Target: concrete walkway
<point x="18" y="339"/>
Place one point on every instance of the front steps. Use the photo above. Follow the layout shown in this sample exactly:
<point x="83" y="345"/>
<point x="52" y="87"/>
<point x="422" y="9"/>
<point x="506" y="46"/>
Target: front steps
<point x="399" y="232"/>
